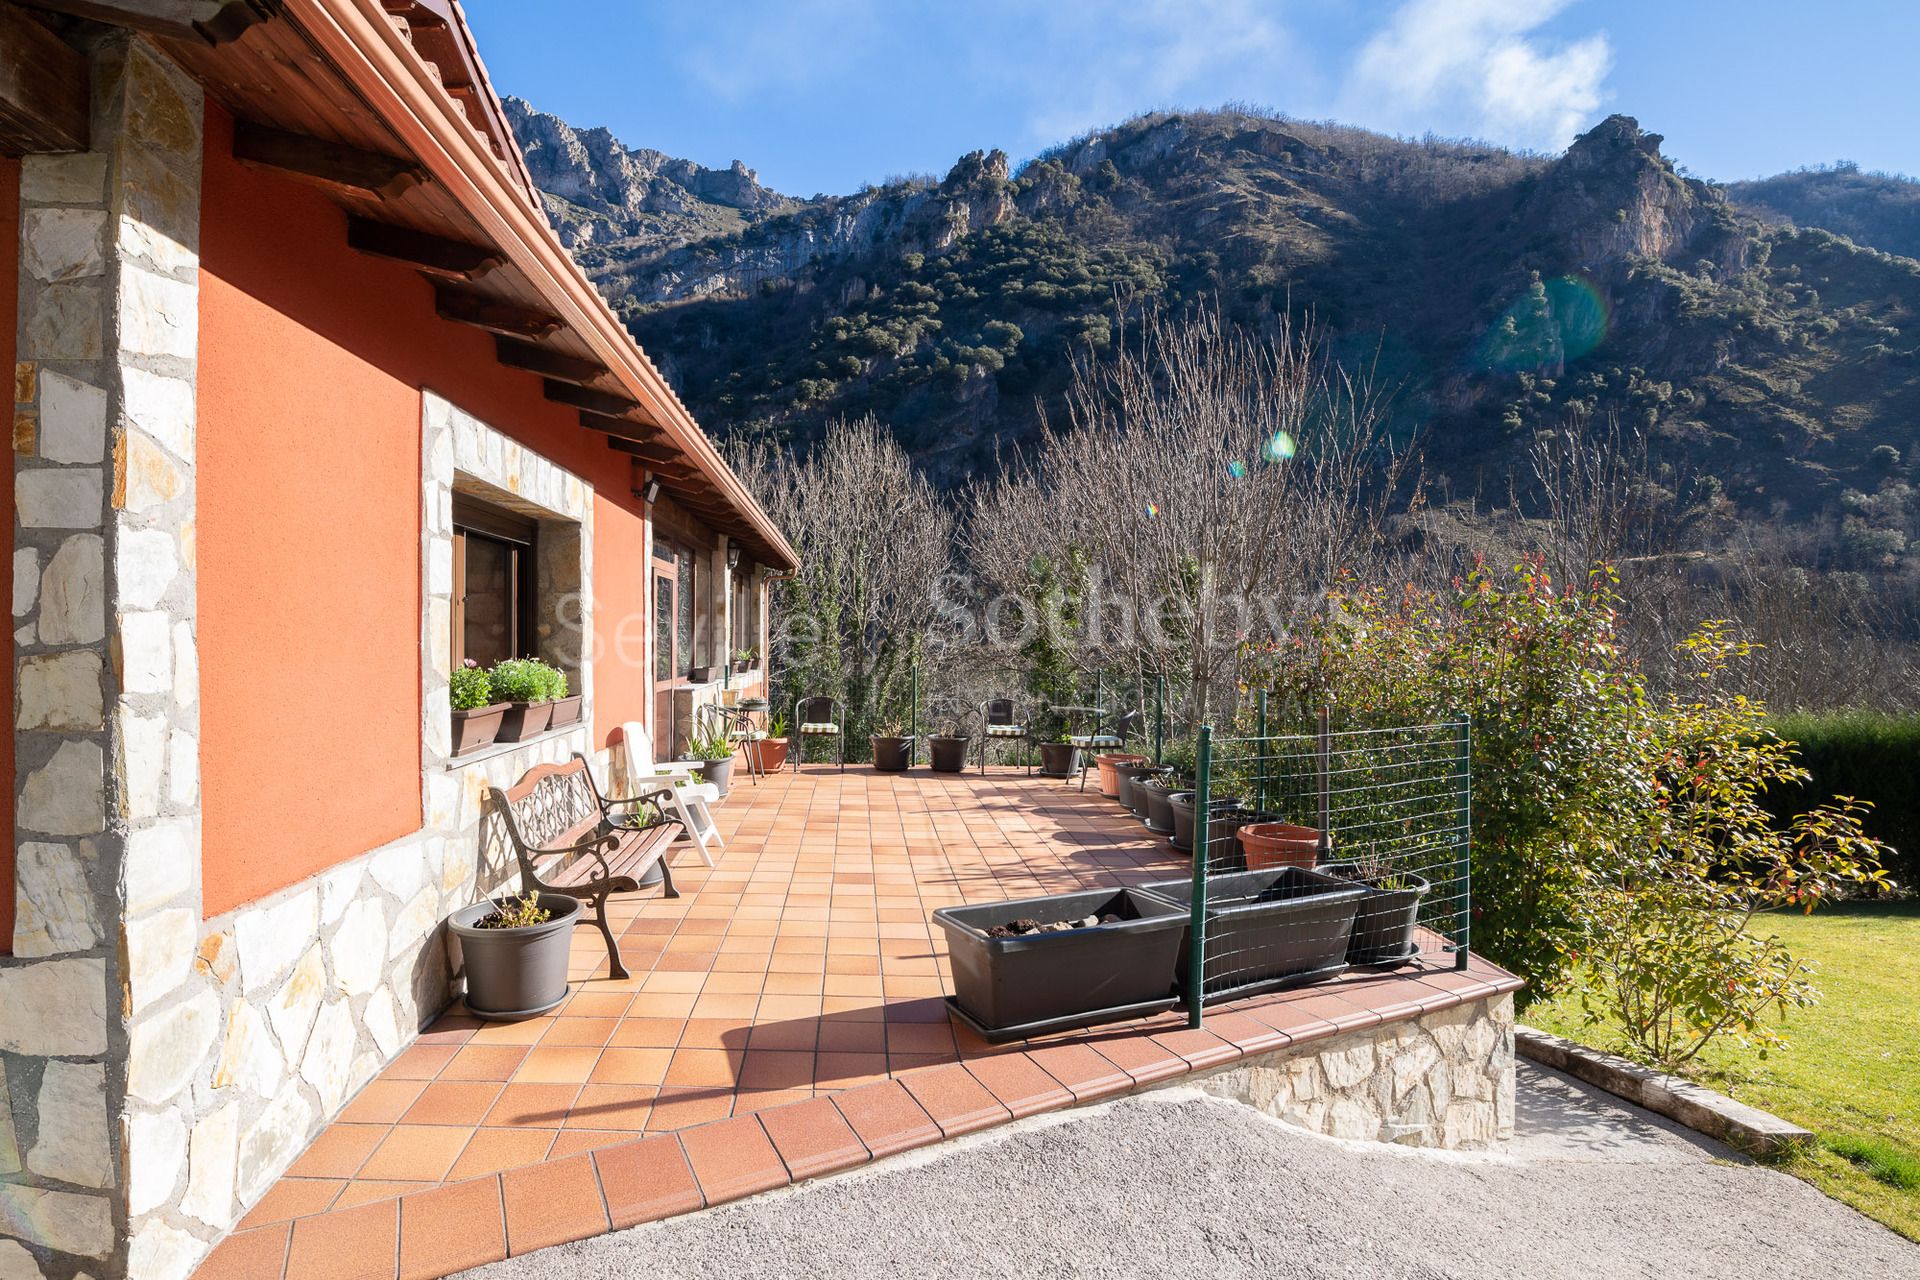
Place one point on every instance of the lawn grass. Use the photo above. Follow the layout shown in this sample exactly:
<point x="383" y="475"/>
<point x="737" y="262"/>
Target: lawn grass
<point x="1852" y="1073"/>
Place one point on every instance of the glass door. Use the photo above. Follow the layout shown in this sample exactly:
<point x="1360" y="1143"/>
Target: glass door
<point x="666" y="655"/>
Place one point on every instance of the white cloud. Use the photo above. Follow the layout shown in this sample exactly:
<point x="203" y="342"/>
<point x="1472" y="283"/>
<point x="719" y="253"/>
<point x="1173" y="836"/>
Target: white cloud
<point x="1478" y="66"/>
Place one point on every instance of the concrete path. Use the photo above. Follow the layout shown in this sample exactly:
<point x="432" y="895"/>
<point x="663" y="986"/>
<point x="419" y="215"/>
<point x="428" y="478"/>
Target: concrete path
<point x="1176" y="1184"/>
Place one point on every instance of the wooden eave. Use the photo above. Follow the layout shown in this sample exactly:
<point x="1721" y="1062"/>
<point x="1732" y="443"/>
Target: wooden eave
<point x="395" y="146"/>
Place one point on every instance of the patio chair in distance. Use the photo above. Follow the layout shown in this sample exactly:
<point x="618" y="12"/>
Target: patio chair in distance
<point x="690" y="798"/>
<point x="1003" y="723"/>
<point x="1108" y="735"/>
<point x="819" y="717"/>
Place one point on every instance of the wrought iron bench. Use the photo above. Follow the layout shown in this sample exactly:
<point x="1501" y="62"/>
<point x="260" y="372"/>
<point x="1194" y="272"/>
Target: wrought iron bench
<point x="569" y="839"/>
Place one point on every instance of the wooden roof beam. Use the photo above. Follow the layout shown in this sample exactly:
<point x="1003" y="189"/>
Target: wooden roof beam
<point x="214" y="21"/>
<point x="493" y="315"/>
<point x="434" y="255"/>
<point x="332" y="165"/>
<point x="44" y="94"/>
<point x="554" y="364"/>
<point x="604" y="402"/>
<point x="625" y="428"/>
<point x="662" y="460"/>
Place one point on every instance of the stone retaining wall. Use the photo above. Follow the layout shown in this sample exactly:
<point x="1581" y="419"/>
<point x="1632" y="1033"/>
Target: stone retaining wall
<point x="1440" y="1080"/>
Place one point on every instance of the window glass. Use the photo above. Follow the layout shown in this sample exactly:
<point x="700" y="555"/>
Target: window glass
<point x="683" y="630"/>
<point x="490" y="603"/>
<point x="662" y="627"/>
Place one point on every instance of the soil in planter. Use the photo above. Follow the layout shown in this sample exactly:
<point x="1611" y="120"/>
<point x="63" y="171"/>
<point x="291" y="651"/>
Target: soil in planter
<point x="1021" y="928"/>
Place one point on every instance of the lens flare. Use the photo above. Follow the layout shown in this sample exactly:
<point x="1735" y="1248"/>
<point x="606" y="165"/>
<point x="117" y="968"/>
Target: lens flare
<point x="1280" y="448"/>
<point x="1555" y="321"/>
<point x="1238" y="470"/>
<point x="1153" y="508"/>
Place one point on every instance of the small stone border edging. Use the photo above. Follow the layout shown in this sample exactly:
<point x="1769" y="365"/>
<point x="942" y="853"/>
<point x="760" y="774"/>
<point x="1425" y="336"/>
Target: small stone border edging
<point x="1748" y="1129"/>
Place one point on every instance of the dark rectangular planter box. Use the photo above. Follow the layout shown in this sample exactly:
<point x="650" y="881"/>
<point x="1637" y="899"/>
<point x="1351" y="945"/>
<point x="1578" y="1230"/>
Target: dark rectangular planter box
<point x="565" y="711"/>
<point x="523" y="720"/>
<point x="1267" y="929"/>
<point x="477" y="727"/>
<point x="1013" y="988"/>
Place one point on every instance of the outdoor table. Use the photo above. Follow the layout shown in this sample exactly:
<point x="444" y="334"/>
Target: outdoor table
<point x="739" y="719"/>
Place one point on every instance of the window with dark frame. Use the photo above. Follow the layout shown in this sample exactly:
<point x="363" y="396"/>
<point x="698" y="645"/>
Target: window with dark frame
<point x="493" y="598"/>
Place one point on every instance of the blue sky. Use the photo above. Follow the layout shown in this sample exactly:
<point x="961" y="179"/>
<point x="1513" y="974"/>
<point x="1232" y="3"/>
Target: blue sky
<point x="823" y="95"/>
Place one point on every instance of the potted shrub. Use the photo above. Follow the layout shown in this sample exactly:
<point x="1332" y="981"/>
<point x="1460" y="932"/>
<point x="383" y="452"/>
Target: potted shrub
<point x="514" y="951"/>
<point x="1059" y="758"/>
<point x="947" y="750"/>
<point x="892" y="750"/>
<point x="1266" y="929"/>
<point x="1155" y="794"/>
<point x="476" y="716"/>
<point x="770" y="752"/>
<point x="1035" y="965"/>
<point x="523" y="684"/>
<point x="742" y="661"/>
<point x="1271" y="845"/>
<point x="566" y="706"/>
<point x="713" y="752"/>
<point x="1383" y="926"/>
<point x="1127" y="777"/>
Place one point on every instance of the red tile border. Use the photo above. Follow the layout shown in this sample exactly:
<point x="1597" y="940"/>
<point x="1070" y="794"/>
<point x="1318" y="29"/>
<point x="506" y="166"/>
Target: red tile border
<point x="887" y="1118"/>
<point x="647" y="1180"/>
<point x="733" y="1158"/>
<point x="813" y="1138"/>
<point x="1020" y="1084"/>
<point x="259" y="1254"/>
<point x="956" y="1099"/>
<point x="353" y="1244"/>
<point x="552" y="1203"/>
<point x="451" y="1228"/>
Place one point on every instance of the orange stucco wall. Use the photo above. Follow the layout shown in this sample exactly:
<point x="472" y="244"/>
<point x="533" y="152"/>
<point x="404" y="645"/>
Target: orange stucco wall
<point x="312" y="360"/>
<point x="9" y="304"/>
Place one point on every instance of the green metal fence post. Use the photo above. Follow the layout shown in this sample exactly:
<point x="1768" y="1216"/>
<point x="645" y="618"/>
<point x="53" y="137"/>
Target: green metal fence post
<point x="1323" y="765"/>
<point x="1261" y="757"/>
<point x="1159" y="716"/>
<point x="1197" y="921"/>
<point x="1463" y="834"/>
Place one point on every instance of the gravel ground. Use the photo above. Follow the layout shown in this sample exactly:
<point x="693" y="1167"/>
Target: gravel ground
<point x="1176" y="1183"/>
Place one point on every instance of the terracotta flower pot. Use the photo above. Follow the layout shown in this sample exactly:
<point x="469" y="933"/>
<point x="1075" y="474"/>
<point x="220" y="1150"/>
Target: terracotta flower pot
<point x="1109" y="775"/>
<point x="523" y="720"/>
<point x="1272" y="845"/>
<point x="769" y="754"/>
<point x="476" y="727"/>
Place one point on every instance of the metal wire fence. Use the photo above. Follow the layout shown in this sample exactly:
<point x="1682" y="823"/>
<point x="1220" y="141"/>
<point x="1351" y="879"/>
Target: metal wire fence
<point x="1321" y="850"/>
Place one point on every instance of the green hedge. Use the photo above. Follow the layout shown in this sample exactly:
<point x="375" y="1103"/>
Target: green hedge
<point x="1869" y="756"/>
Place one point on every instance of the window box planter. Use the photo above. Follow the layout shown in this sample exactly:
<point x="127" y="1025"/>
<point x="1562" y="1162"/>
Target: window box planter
<point x="742" y="665"/>
<point x="947" y="754"/>
<point x="515" y="973"/>
<point x="1127" y="777"/>
<point x="1154" y="795"/>
<point x="1383" y="926"/>
<point x="1271" y="845"/>
<point x="1108" y="765"/>
<point x="1012" y="988"/>
<point x="1058" y="759"/>
<point x="565" y="711"/>
<point x="700" y="675"/>
<point x="891" y="754"/>
<point x="1266" y="929"/>
<point x="476" y="727"/>
<point x="523" y="720"/>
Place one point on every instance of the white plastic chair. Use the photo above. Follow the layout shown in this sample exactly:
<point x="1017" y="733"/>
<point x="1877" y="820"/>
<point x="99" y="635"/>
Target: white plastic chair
<point x="690" y="798"/>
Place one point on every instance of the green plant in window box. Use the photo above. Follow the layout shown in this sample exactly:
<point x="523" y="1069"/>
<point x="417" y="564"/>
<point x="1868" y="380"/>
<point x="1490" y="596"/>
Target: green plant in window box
<point x="476" y="713"/>
<point x="526" y="685"/>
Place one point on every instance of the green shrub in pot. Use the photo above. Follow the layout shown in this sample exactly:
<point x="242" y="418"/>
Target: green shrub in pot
<point x="476" y="714"/>
<point x="527" y="686"/>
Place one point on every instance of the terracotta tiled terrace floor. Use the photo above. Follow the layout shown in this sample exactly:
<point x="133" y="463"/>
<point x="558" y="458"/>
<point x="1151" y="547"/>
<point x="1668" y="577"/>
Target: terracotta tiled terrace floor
<point x="785" y="1018"/>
